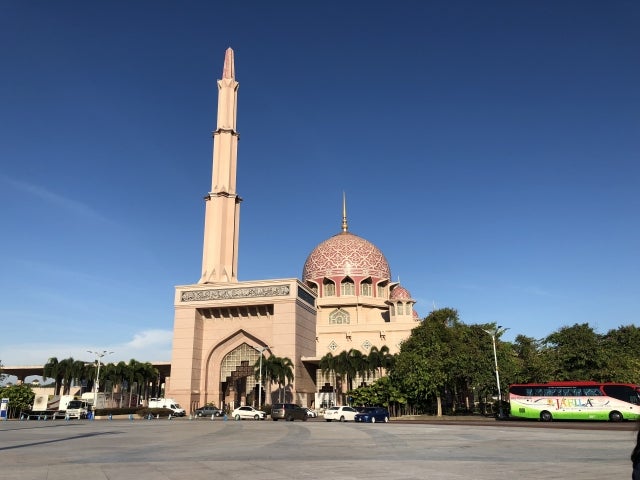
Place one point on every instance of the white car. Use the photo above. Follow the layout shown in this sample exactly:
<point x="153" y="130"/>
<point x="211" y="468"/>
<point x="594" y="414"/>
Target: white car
<point x="341" y="413"/>
<point x="311" y="413"/>
<point x="248" y="412"/>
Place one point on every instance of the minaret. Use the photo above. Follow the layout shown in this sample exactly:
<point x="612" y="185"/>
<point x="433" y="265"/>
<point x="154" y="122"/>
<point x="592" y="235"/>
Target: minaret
<point x="344" y="213"/>
<point x="222" y="207"/>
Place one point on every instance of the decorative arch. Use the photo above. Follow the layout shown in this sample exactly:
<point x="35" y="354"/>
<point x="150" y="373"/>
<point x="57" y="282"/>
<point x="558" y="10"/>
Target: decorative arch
<point x="339" y="317"/>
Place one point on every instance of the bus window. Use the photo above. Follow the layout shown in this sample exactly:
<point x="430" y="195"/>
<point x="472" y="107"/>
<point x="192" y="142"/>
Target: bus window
<point x="621" y="392"/>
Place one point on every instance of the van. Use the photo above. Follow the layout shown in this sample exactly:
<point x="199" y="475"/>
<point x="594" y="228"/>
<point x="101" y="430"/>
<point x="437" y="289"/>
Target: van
<point x="288" y="412"/>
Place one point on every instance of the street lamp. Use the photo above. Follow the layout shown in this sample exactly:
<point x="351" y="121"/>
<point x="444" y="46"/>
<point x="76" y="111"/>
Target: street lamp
<point x="495" y="332"/>
<point x="261" y="350"/>
<point x="98" y="355"/>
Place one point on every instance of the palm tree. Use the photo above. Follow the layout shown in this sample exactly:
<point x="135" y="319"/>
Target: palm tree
<point x="79" y="372"/>
<point x="269" y="370"/>
<point x="149" y="374"/>
<point x="285" y="373"/>
<point x="67" y="371"/>
<point x="349" y="364"/>
<point x="379" y="360"/>
<point x="52" y="369"/>
<point x="327" y="367"/>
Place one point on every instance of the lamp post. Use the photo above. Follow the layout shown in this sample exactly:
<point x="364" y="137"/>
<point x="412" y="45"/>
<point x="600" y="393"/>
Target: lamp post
<point x="494" y="333"/>
<point x="98" y="355"/>
<point x="261" y="350"/>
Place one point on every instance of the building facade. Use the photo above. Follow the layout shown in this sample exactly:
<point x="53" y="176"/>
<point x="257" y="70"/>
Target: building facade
<point x="345" y="300"/>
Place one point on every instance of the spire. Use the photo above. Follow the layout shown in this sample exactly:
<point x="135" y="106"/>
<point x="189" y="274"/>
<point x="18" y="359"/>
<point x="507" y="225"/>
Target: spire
<point x="229" y="69"/>
<point x="344" y="213"/>
<point x="222" y="204"/>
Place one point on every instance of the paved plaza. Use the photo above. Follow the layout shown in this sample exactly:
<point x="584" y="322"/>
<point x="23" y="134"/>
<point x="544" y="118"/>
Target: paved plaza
<point x="205" y="449"/>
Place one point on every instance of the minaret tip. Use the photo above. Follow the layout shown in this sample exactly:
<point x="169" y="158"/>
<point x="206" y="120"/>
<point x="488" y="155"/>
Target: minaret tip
<point x="344" y="213"/>
<point x="229" y="70"/>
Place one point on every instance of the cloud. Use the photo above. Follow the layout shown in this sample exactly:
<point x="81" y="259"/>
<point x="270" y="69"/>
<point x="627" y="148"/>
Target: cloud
<point x="150" y="338"/>
<point x="145" y="346"/>
<point x="70" y="205"/>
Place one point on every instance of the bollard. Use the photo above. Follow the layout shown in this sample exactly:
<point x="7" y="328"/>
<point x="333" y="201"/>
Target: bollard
<point x="66" y="417"/>
<point x="225" y="417"/>
<point x="169" y="416"/>
<point x="212" y="416"/>
<point x="110" y="416"/>
<point x="131" y="417"/>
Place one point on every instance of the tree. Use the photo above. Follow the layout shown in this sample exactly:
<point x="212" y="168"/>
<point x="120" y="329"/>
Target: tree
<point x="423" y="367"/>
<point x="532" y="363"/>
<point x="53" y="369"/>
<point x="379" y="360"/>
<point x="20" y="398"/>
<point x="275" y="370"/>
<point x="621" y="355"/>
<point x="327" y="366"/>
<point x="284" y="373"/>
<point x="576" y="353"/>
<point x="67" y="372"/>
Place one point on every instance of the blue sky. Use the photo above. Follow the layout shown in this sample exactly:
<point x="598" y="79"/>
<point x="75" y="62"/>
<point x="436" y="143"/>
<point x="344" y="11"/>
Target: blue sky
<point x="489" y="149"/>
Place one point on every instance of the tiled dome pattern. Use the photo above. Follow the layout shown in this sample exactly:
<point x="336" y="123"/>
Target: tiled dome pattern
<point x="400" y="293"/>
<point x="345" y="254"/>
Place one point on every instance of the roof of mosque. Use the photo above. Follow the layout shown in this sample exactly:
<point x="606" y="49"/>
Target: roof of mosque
<point x="346" y="254"/>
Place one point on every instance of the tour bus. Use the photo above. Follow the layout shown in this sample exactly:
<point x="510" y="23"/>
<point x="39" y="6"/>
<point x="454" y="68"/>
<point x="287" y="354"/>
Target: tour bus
<point x="575" y="401"/>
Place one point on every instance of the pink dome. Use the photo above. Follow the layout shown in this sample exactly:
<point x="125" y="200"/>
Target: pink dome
<point x="400" y="293"/>
<point x="415" y="315"/>
<point x="345" y="254"/>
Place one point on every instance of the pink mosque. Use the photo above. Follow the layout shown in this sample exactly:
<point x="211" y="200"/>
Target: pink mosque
<point x="345" y="300"/>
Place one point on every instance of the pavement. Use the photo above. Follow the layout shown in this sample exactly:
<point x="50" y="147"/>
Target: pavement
<point x="217" y="449"/>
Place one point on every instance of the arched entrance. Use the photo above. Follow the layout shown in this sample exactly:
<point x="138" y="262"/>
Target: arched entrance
<point x="238" y="385"/>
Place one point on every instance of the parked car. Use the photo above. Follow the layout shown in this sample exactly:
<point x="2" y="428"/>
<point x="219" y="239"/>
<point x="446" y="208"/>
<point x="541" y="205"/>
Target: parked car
<point x="311" y="413"/>
<point x="288" y="412"/>
<point x="372" y="414"/>
<point x="207" y="411"/>
<point x="341" y="412"/>
<point x="248" y="412"/>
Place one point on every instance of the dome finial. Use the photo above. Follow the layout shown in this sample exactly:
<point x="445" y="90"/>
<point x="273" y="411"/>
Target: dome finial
<point x="344" y="213"/>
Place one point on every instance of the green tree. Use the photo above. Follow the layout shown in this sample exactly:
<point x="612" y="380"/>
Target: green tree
<point x="20" y="399"/>
<point x="275" y="370"/>
<point x="576" y="353"/>
<point x="422" y="369"/>
<point x="622" y="357"/>
<point x="532" y="364"/>
<point x="53" y="369"/>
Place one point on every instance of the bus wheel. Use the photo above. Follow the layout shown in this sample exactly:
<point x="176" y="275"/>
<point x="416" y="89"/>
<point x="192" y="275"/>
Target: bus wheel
<point x="545" y="416"/>
<point x="615" y="416"/>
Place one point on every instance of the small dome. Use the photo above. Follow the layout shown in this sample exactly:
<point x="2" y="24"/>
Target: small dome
<point x="415" y="315"/>
<point x="400" y="293"/>
<point x="345" y="254"/>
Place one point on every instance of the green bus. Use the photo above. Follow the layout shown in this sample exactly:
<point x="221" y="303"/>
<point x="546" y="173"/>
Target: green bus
<point x="575" y="401"/>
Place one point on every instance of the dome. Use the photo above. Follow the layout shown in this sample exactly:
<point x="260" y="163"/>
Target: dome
<point x="400" y="293"/>
<point x="345" y="254"/>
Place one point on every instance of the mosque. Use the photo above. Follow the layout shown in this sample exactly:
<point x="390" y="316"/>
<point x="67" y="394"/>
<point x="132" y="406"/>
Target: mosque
<point x="345" y="300"/>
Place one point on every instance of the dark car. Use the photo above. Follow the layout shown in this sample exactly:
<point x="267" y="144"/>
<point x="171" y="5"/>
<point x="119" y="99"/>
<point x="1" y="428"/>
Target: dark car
<point x="372" y="414"/>
<point x="208" y="410"/>
<point x="288" y="411"/>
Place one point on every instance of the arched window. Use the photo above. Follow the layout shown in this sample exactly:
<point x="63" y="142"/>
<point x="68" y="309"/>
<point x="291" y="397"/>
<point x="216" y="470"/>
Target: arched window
<point x="392" y="309"/>
<point x="365" y="288"/>
<point x="407" y="309"/>
<point x="347" y="287"/>
<point x="381" y="291"/>
<point x="329" y="288"/>
<point x="339" y="317"/>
